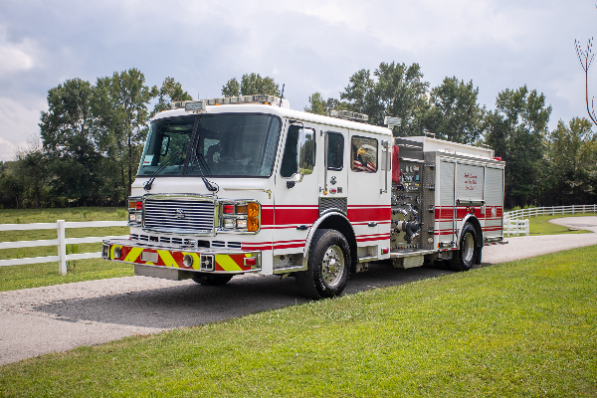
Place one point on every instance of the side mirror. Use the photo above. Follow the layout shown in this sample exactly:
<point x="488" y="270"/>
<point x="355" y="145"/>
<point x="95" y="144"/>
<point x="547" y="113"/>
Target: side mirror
<point x="305" y="151"/>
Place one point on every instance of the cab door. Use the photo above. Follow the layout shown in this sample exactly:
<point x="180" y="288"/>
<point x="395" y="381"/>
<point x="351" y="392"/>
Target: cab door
<point x="333" y="176"/>
<point x="296" y="193"/>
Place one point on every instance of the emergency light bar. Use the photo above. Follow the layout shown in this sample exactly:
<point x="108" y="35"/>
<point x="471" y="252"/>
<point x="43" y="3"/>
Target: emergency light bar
<point x="201" y="105"/>
<point x="348" y="115"/>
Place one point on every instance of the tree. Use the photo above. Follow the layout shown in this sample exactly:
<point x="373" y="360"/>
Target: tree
<point x="517" y="131"/>
<point x="455" y="114"/>
<point x="317" y="105"/>
<point x="586" y="59"/>
<point x="12" y="189"/>
<point x="120" y="104"/>
<point x="68" y="134"/>
<point x="231" y="88"/>
<point x="574" y="149"/>
<point x="251" y="84"/>
<point x="395" y="90"/>
<point x="171" y="91"/>
<point x="31" y="167"/>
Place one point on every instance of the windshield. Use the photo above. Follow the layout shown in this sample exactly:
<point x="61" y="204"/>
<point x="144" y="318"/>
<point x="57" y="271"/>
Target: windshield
<point x="228" y="144"/>
<point x="167" y="142"/>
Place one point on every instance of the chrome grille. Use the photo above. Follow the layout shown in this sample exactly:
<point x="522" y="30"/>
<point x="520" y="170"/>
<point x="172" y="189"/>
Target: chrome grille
<point x="179" y="216"/>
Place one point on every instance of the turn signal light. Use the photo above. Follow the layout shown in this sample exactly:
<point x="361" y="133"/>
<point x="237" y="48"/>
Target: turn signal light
<point x="139" y="205"/>
<point x="253" y="209"/>
<point x="253" y="225"/>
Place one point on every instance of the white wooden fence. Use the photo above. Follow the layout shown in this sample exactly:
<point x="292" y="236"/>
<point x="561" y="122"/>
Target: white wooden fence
<point x="552" y="211"/>
<point x="61" y="242"/>
<point x="516" y="227"/>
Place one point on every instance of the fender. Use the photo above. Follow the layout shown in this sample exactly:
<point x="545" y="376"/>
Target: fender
<point x="475" y="223"/>
<point x="317" y="225"/>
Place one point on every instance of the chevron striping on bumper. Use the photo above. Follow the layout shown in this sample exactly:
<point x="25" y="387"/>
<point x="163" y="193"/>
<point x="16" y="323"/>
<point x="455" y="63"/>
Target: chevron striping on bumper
<point x="133" y="254"/>
<point x="227" y="263"/>
<point x="167" y="258"/>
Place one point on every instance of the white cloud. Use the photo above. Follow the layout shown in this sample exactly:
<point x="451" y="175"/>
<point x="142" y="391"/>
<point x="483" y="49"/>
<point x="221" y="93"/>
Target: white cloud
<point x="7" y="149"/>
<point x="18" y="122"/>
<point x="16" y="57"/>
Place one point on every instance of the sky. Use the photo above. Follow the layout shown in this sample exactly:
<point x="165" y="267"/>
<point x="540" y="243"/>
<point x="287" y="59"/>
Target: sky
<point x="309" y="45"/>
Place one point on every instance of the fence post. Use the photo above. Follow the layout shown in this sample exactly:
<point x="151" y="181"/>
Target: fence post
<point x="61" y="248"/>
<point x="528" y="231"/>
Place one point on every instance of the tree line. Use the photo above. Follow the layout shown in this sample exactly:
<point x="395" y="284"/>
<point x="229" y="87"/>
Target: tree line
<point x="92" y="134"/>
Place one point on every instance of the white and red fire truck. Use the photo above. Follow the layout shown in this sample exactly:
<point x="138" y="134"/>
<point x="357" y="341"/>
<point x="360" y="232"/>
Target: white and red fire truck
<point x="241" y="185"/>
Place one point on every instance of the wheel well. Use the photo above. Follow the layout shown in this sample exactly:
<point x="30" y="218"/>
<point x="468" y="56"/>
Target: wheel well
<point x="341" y="225"/>
<point x="475" y="223"/>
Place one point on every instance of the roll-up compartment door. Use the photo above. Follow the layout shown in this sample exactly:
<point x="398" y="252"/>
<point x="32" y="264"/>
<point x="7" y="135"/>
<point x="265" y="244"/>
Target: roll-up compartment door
<point x="444" y="215"/>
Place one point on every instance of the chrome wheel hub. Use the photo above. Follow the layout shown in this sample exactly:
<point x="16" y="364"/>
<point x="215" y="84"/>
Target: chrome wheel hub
<point x="333" y="266"/>
<point x="468" y="247"/>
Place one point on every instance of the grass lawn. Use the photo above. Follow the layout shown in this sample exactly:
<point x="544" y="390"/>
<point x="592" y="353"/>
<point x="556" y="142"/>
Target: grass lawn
<point x="541" y="225"/>
<point x="525" y="328"/>
<point x="35" y="275"/>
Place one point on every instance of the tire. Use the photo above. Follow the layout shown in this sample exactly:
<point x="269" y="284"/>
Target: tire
<point x="465" y="258"/>
<point x="328" y="266"/>
<point x="211" y="279"/>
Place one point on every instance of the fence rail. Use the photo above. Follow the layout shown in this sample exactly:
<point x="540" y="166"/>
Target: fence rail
<point x="61" y="242"/>
<point x="517" y="227"/>
<point x="543" y="211"/>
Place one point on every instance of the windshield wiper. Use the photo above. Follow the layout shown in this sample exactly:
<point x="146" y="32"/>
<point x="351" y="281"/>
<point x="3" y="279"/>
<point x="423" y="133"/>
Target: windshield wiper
<point x="199" y="157"/>
<point x="208" y="184"/>
<point x="147" y="184"/>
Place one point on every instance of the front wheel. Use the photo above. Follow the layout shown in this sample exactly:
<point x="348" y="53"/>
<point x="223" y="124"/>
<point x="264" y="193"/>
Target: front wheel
<point x="211" y="279"/>
<point x="327" y="273"/>
<point x="464" y="259"/>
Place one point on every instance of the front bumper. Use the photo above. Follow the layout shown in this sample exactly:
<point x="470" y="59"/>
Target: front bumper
<point x="154" y="254"/>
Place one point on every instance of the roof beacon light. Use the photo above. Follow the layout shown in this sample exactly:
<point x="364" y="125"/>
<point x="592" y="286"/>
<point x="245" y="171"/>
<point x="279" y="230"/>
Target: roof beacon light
<point x="348" y="115"/>
<point x="194" y="106"/>
<point x="392" y="121"/>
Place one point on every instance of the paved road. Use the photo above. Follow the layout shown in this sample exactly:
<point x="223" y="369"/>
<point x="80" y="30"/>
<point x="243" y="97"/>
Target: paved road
<point x="58" y="318"/>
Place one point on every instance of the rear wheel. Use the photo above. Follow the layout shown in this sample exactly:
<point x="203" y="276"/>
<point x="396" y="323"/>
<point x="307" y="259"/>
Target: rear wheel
<point x="327" y="273"/>
<point x="465" y="258"/>
<point x="211" y="279"/>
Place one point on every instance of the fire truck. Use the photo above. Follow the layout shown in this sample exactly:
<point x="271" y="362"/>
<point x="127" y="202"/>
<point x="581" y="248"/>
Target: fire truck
<point x="239" y="185"/>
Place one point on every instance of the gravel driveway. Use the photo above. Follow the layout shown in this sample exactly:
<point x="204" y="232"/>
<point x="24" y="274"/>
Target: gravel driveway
<point x="58" y="318"/>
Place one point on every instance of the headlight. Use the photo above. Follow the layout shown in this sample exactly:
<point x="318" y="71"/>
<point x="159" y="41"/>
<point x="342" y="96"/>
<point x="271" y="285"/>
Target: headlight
<point x="241" y="224"/>
<point x="240" y="216"/>
<point x="229" y="223"/>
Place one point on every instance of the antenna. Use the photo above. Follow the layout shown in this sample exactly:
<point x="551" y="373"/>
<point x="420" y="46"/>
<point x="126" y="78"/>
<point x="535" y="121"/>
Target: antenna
<point x="282" y="96"/>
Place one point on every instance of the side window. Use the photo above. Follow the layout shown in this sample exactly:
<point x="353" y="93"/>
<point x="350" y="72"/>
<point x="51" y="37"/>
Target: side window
<point x="290" y="158"/>
<point x="335" y="151"/>
<point x="363" y="153"/>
